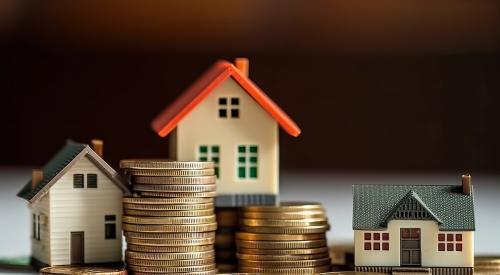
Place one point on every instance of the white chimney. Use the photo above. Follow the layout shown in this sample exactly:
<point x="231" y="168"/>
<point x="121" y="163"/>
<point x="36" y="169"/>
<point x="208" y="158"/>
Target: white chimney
<point x="466" y="185"/>
<point x="242" y="64"/>
<point x="36" y="177"/>
<point x="98" y="146"/>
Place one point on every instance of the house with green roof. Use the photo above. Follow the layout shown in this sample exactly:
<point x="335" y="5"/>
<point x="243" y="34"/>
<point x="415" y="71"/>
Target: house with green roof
<point x="76" y="208"/>
<point x="414" y="228"/>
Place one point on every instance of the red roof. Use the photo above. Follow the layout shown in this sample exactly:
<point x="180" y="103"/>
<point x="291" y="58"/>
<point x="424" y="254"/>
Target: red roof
<point x="168" y="119"/>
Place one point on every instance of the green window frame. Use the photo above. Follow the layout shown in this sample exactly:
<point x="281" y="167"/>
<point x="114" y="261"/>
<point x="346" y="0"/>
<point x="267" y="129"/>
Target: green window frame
<point x="210" y="153"/>
<point x="247" y="160"/>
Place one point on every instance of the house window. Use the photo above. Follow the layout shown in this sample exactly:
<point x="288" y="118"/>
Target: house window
<point x="229" y="107"/>
<point x="210" y="153"/>
<point x="449" y="242"/>
<point x="77" y="180"/>
<point x="91" y="180"/>
<point x="247" y="159"/>
<point x="110" y="227"/>
<point x="376" y="241"/>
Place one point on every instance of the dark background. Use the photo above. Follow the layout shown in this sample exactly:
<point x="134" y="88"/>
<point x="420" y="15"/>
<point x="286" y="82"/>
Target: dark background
<point x="374" y="85"/>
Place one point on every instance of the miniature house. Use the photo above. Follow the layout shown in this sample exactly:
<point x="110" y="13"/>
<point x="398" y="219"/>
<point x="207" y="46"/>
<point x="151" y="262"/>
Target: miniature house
<point x="76" y="208"/>
<point x="225" y="118"/>
<point x="409" y="228"/>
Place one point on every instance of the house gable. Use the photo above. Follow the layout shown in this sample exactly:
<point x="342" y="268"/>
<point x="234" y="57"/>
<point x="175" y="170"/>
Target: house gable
<point x="166" y="121"/>
<point x="411" y="207"/>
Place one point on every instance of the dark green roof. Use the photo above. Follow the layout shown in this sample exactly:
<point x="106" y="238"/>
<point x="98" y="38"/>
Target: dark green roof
<point x="53" y="167"/>
<point x="374" y="204"/>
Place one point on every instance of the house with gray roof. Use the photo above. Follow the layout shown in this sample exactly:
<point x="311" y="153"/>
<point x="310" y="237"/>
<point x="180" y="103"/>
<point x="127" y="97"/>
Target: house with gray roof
<point x="414" y="228"/>
<point x="76" y="208"/>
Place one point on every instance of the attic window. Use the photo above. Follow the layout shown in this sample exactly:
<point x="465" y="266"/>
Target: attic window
<point x="77" y="180"/>
<point x="229" y="107"/>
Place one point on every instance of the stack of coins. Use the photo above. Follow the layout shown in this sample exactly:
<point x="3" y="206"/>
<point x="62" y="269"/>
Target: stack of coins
<point x="225" y="245"/>
<point x="170" y="223"/>
<point x="285" y="239"/>
<point x="487" y="265"/>
<point x="81" y="270"/>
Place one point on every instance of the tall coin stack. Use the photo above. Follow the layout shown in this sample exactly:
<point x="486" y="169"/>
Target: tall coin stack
<point x="225" y="244"/>
<point x="285" y="239"/>
<point x="169" y="223"/>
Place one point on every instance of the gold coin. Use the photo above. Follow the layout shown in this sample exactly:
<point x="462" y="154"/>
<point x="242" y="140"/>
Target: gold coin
<point x="210" y="272"/>
<point x="175" y="180"/>
<point x="167" y="201"/>
<point x="164" y="164"/>
<point x="283" y="251"/>
<point x="171" y="269"/>
<point x="286" y="230"/>
<point x="351" y="273"/>
<point x="170" y="256"/>
<point x="169" y="220"/>
<point x="280" y="244"/>
<point x="285" y="264"/>
<point x="175" y="228"/>
<point x="281" y="257"/>
<point x="278" y="237"/>
<point x="284" y="223"/>
<point x="487" y="265"/>
<point x="286" y="207"/>
<point x="174" y="188"/>
<point x="168" y="207"/>
<point x="170" y="173"/>
<point x="177" y="235"/>
<point x="163" y="213"/>
<point x="178" y="195"/>
<point x="169" y="249"/>
<point x="284" y="215"/>
<point x="82" y="270"/>
<point x="176" y="263"/>
<point x="284" y="270"/>
<point x="171" y="242"/>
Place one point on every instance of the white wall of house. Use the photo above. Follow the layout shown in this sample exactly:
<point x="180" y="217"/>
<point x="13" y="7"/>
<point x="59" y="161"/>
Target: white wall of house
<point x="83" y="209"/>
<point x="40" y="249"/>
<point x="254" y="127"/>
<point x="431" y="257"/>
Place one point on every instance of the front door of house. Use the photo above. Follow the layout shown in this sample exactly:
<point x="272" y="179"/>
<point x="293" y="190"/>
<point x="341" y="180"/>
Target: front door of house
<point x="410" y="247"/>
<point x="77" y="247"/>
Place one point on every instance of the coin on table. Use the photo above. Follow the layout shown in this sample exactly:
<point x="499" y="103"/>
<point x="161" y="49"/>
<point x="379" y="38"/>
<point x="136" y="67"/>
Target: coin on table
<point x="176" y="235"/>
<point x="280" y="244"/>
<point x="171" y="228"/>
<point x="163" y="213"/>
<point x="82" y="270"/>
<point x="286" y="230"/>
<point x="256" y="257"/>
<point x="170" y="172"/>
<point x="286" y="207"/>
<point x="169" y="220"/>
<point x="284" y="223"/>
<point x="171" y="242"/>
<point x="174" y="188"/>
<point x="278" y="237"/>
<point x="285" y="264"/>
<point x="283" y="270"/>
<point x="211" y="194"/>
<point x="167" y="201"/>
<point x="170" y="263"/>
<point x="169" y="249"/>
<point x="164" y="164"/>
<point x="170" y="256"/>
<point x="175" y="180"/>
<point x="171" y="269"/>
<point x="283" y="251"/>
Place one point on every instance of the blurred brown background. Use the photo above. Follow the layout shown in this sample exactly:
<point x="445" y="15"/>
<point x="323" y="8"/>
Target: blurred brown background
<point x="375" y="85"/>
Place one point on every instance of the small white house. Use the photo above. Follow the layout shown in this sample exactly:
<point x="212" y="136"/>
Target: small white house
<point x="414" y="228"/>
<point x="76" y="208"/>
<point x="225" y="118"/>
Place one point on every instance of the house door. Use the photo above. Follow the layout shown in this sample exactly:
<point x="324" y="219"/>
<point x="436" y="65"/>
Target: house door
<point x="77" y="247"/>
<point x="410" y="247"/>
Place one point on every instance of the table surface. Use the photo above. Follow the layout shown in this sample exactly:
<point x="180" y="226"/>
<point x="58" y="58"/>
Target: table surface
<point x="331" y="189"/>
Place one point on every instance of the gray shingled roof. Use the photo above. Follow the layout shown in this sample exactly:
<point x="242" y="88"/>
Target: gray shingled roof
<point x="63" y="159"/>
<point x="373" y="204"/>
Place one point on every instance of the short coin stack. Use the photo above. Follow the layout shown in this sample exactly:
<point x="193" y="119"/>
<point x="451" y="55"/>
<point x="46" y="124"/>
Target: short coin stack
<point x="285" y="239"/>
<point x="170" y="223"/>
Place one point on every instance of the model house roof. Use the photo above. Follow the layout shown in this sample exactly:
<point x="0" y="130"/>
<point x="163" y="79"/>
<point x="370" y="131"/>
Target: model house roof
<point x="61" y="163"/>
<point x="168" y="119"/>
<point x="373" y="205"/>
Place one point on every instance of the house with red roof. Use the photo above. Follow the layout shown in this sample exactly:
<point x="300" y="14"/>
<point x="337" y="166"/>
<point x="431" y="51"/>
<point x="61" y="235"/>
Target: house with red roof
<point x="226" y="118"/>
